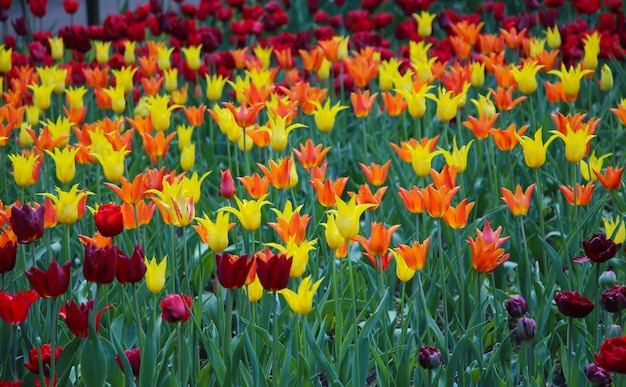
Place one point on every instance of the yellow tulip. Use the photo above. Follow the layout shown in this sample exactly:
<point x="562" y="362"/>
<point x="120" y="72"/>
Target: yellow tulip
<point x="65" y="161"/>
<point x="302" y="302"/>
<point x="41" y="95"/>
<point x="421" y="158"/>
<point x="161" y="111"/>
<point x="59" y="128"/>
<point x="324" y="116"/>
<point x="606" y="78"/>
<point x="554" y="37"/>
<point x="25" y="169"/>
<point x="570" y="78"/>
<point x="478" y="74"/>
<point x="447" y="105"/>
<point x="615" y="229"/>
<point x="279" y="132"/>
<point x="215" y="234"/>
<point x="298" y="253"/>
<point x="595" y="164"/>
<point x="333" y="238"/>
<point x="6" y="63"/>
<point x="163" y="61"/>
<point x="175" y="203"/>
<point x="387" y="71"/>
<point x="591" y="50"/>
<point x="171" y="80"/>
<point x="112" y="163"/>
<point x="248" y="212"/>
<point x="32" y="115"/>
<point x="129" y="52"/>
<point x="347" y="216"/>
<point x="124" y="78"/>
<point x="534" y="149"/>
<point x="254" y="290"/>
<point x="424" y="23"/>
<point x="118" y="100"/>
<point x="458" y="157"/>
<point x="526" y="77"/>
<point x="416" y="100"/>
<point x="188" y="157"/>
<point x="192" y="55"/>
<point x="66" y="203"/>
<point x="264" y="54"/>
<point x="57" y="50"/>
<point x="214" y="86"/>
<point x="575" y="142"/>
<point x="193" y="184"/>
<point x="155" y="274"/>
<point x="75" y="97"/>
<point x="102" y="52"/>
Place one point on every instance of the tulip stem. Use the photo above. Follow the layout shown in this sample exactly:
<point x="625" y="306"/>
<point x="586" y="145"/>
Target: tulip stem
<point x="33" y="255"/>
<point x="179" y="360"/>
<point x="461" y="269"/>
<point x="443" y="285"/>
<point x="544" y="260"/>
<point x="527" y="282"/>
<point x="357" y="371"/>
<point x="425" y="311"/>
<point x="596" y="326"/>
<point x="14" y="352"/>
<point x="175" y="278"/>
<point x="228" y="333"/>
<point x="140" y="333"/>
<point x="275" y="366"/>
<point x="54" y="317"/>
<point x="570" y="349"/>
<point x="338" y="311"/>
<point x="66" y="236"/>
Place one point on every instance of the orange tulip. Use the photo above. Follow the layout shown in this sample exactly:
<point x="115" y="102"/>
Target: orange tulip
<point x="620" y="111"/>
<point x="503" y="98"/>
<point x="278" y="174"/>
<point x="394" y="105"/>
<point x="583" y="193"/>
<point x="513" y="38"/>
<point x="412" y="200"/>
<point x="506" y="140"/>
<point x="376" y="174"/>
<point x="292" y="228"/>
<point x="481" y="127"/>
<point x="410" y="259"/>
<point x="362" y="102"/>
<point x="138" y="214"/>
<point x="255" y="185"/>
<point x="365" y="196"/>
<point x="311" y="156"/>
<point x="437" y="201"/>
<point x="157" y="146"/>
<point x="142" y="125"/>
<point x="244" y="115"/>
<point x="312" y="60"/>
<point x="327" y="191"/>
<point x="195" y="114"/>
<point x="486" y="257"/>
<point x="518" y="203"/>
<point x="131" y="193"/>
<point x="445" y="178"/>
<point x="151" y="86"/>
<point x="456" y="217"/>
<point x="378" y="242"/>
<point x="611" y="179"/>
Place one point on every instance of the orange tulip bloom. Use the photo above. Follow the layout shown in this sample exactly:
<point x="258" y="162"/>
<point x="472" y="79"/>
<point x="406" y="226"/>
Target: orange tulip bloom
<point x="456" y="217"/>
<point x="131" y="193"/>
<point x="376" y="174"/>
<point x="254" y="94"/>
<point x="361" y="70"/>
<point x="244" y="115"/>
<point x="512" y="38"/>
<point x="506" y="140"/>
<point x="148" y="65"/>
<point x="97" y="78"/>
<point x="312" y="60"/>
<point x="327" y="191"/>
<point x="284" y="58"/>
<point x="611" y="179"/>
<point x="239" y="56"/>
<point x="144" y="214"/>
<point x="503" y="98"/>
<point x="404" y="150"/>
<point x="311" y="156"/>
<point x="292" y="228"/>
<point x="412" y="200"/>
<point x="98" y="240"/>
<point x="486" y="257"/>
<point x="504" y="75"/>
<point x="332" y="49"/>
<point x="575" y="122"/>
<point x="50" y="219"/>
<point x="518" y="203"/>
<point x="142" y="125"/>
<point x="394" y="105"/>
<point x="153" y="179"/>
<point x="414" y="256"/>
<point x="468" y="32"/>
<point x="156" y="146"/>
<point x="365" y="196"/>
<point x="492" y="61"/>
<point x="583" y="193"/>
<point x="45" y="140"/>
<point x="462" y="49"/>
<point x="481" y="127"/>
<point x="76" y="116"/>
<point x="378" y="242"/>
<point x="437" y="201"/>
<point x="620" y="111"/>
<point x="278" y="174"/>
<point x="255" y="185"/>
<point x="313" y="95"/>
<point x="445" y="178"/>
<point x="489" y="43"/>
<point x="362" y="102"/>
<point x="151" y="86"/>
<point x="546" y="59"/>
<point x="555" y="93"/>
<point x="195" y="115"/>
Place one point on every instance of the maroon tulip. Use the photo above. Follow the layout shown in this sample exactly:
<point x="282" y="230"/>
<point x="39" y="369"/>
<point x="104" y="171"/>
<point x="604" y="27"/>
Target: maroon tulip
<point x="46" y="357"/>
<point x="597" y="375"/>
<point x="52" y="282"/>
<point x="27" y="224"/>
<point x="273" y="270"/>
<point x="70" y="6"/>
<point x="227" y="185"/>
<point x="232" y="270"/>
<point x="38" y="7"/>
<point x="526" y="328"/>
<point x="77" y="317"/>
<point x="133" y="269"/>
<point x="614" y="299"/>
<point x="100" y="264"/>
<point x="516" y="306"/>
<point x="600" y="249"/>
<point x="429" y="358"/>
<point x="573" y="304"/>
<point x="8" y="251"/>
<point x="612" y="356"/>
<point x="14" y="307"/>
<point x="134" y="358"/>
<point x="109" y="220"/>
<point x="174" y="308"/>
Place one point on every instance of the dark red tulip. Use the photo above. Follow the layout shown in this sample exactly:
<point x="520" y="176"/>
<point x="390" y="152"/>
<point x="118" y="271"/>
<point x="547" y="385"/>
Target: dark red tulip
<point x="174" y="308"/>
<point x="27" y="224"/>
<point x="134" y="358"/>
<point x="614" y="299"/>
<point x="8" y="251"/>
<point x="100" y="264"/>
<point x="429" y="358"/>
<point x="38" y="7"/>
<point x="516" y="306"/>
<point x="14" y="307"/>
<point x="273" y="270"/>
<point x="600" y="249"/>
<point x="52" y="282"/>
<point x="70" y="6"/>
<point x="232" y="270"/>
<point x="227" y="185"/>
<point x="133" y="269"/>
<point x="526" y="328"/>
<point x="109" y="220"/>
<point x="597" y="375"/>
<point x="19" y="25"/>
<point x="46" y="357"/>
<point x="612" y="356"/>
<point x="573" y="304"/>
<point x="77" y="317"/>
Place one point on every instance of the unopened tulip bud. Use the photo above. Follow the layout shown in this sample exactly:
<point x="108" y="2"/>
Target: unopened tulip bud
<point x="516" y="306"/>
<point x="607" y="279"/>
<point x="526" y="328"/>
<point x="597" y="375"/>
<point x="615" y="331"/>
<point x="227" y="185"/>
<point x="429" y="357"/>
<point x="606" y="78"/>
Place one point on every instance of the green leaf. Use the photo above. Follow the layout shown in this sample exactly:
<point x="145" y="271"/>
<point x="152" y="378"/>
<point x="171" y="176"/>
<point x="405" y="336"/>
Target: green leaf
<point x="93" y="361"/>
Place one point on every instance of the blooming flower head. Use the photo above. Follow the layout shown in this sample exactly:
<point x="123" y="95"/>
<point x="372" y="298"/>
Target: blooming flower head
<point x="526" y="77"/>
<point x="612" y="355"/>
<point x="77" y="317"/>
<point x="573" y="304"/>
<point x="424" y="23"/>
<point x="518" y="203"/>
<point x="68" y="204"/>
<point x="65" y="161"/>
<point x="175" y="308"/>
<point x="302" y="301"/>
<point x="457" y="158"/>
<point x="615" y="229"/>
<point x="582" y="195"/>
<point x="362" y="102"/>
<point x="26" y="168"/>
<point x="570" y="78"/>
<point x="534" y="149"/>
<point x="14" y="307"/>
<point x="410" y="259"/>
<point x="447" y="104"/>
<point x="214" y="234"/>
<point x="175" y="202"/>
<point x="232" y="270"/>
<point x="576" y="142"/>
<point x="248" y="212"/>
<point x="192" y="55"/>
<point x="155" y="274"/>
<point x="347" y="216"/>
<point x="27" y="224"/>
<point x="273" y="270"/>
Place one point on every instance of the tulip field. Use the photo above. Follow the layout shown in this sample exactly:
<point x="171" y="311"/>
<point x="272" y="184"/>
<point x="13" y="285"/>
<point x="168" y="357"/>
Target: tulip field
<point x="314" y="193"/>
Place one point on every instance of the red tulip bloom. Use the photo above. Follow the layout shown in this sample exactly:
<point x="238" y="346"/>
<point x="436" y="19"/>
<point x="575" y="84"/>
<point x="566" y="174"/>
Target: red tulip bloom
<point x="133" y="269"/>
<point x="109" y="220"/>
<point x="14" y="307"/>
<point x="612" y="356"/>
<point x="46" y="357"/>
<point x="38" y="7"/>
<point x="100" y="264"/>
<point x="27" y="224"/>
<point x="70" y="6"/>
<point x="573" y="304"/>
<point x="227" y="185"/>
<point x="77" y="317"/>
<point x="273" y="270"/>
<point x="232" y="270"/>
<point x="8" y="251"/>
<point x="52" y="282"/>
<point x="134" y="358"/>
<point x="600" y="249"/>
<point x="174" y="308"/>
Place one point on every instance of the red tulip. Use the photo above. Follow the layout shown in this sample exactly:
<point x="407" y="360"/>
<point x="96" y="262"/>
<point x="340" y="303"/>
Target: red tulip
<point x="46" y="357"/>
<point x="38" y="7"/>
<point x="8" y="251"/>
<point x="70" y="6"/>
<point x="27" y="224"/>
<point x="573" y="304"/>
<point x="52" y="282"/>
<point x="100" y="264"/>
<point x="14" y="307"/>
<point x="134" y="358"/>
<point x="232" y="270"/>
<point x="109" y="220"/>
<point x="227" y="185"/>
<point x="174" y="308"/>
<point x="612" y="356"/>
<point x="133" y="269"/>
<point x="273" y="270"/>
<point x="77" y="318"/>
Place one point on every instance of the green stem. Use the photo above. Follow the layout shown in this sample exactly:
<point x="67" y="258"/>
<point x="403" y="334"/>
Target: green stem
<point x="596" y="311"/>
<point x="496" y="309"/>
<point x="542" y="227"/>
<point x="174" y="266"/>
<point x="275" y="344"/>
<point x="179" y="360"/>
<point x="136" y="314"/>
<point x="357" y="373"/>
<point x="338" y="311"/>
<point x="528" y="280"/>
<point x="461" y="268"/>
<point x="425" y="307"/>
<point x="227" y="331"/>
<point x="54" y="317"/>
<point x="443" y="285"/>
<point x="570" y="348"/>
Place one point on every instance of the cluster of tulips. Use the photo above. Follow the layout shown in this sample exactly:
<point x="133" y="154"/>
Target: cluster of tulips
<point x="427" y="213"/>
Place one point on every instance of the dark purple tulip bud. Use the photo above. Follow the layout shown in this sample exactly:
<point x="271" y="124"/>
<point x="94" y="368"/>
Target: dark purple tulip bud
<point x="597" y="375"/>
<point x="614" y="299"/>
<point x="429" y="358"/>
<point x="516" y="306"/>
<point x="526" y="328"/>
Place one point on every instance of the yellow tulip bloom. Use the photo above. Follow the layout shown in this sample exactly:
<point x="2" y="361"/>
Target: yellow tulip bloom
<point x="41" y="95"/>
<point x="59" y="128"/>
<point x="163" y="61"/>
<point x="416" y="100"/>
<point x="591" y="50"/>
<point x="129" y="52"/>
<point x="193" y="184"/>
<point x="25" y="169"/>
<point x="526" y="77"/>
<point x="421" y="158"/>
<point x="102" y="52"/>
<point x="175" y="203"/>
<point x="75" y="97"/>
<point x="575" y="142"/>
<point x="264" y="54"/>
<point x="334" y="239"/>
<point x="124" y="78"/>
<point x="6" y="63"/>
<point x="155" y="274"/>
<point x="254" y="290"/>
<point x="279" y="132"/>
<point x="457" y="158"/>
<point x="298" y="253"/>
<point x="302" y="302"/>
<point x="188" y="157"/>
<point x="160" y="111"/>
<point x="324" y="116"/>
<point x="570" y="78"/>
<point x="606" y="78"/>
<point x="192" y="55"/>
<point x="534" y="149"/>
<point x="118" y="100"/>
<point x="594" y="164"/>
<point x="56" y="48"/>
<point x="248" y="212"/>
<point x="387" y="71"/>
<point x="66" y="203"/>
<point x="424" y="23"/>
<point x="554" y="37"/>
<point x="214" y="234"/>
<point x="65" y="161"/>
<point x="447" y="105"/>
<point x="347" y="216"/>
<point x="112" y="163"/>
<point x="171" y="80"/>
<point x="214" y="86"/>
<point x="615" y="229"/>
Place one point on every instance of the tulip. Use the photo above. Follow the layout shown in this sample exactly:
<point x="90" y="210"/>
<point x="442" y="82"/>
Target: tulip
<point x="5" y="59"/>
<point x="612" y="356"/>
<point x="273" y="270"/>
<point x="600" y="249"/>
<point x="570" y="78"/>
<point x="611" y="179"/>
<point x="65" y="161"/>
<point x="573" y="304"/>
<point x="325" y="115"/>
<point x="516" y="306"/>
<point x="133" y="269"/>
<point x="52" y="282"/>
<point x="175" y="203"/>
<point x="25" y="168"/>
<point x="56" y="48"/>
<point x="606" y="78"/>
<point x="607" y="279"/>
<point x="67" y="204"/>
<point x="534" y="149"/>
<point x="615" y="229"/>
<point x="614" y="299"/>
<point x="14" y="307"/>
<point x="77" y="317"/>
<point x="302" y="302"/>
<point x="447" y="104"/>
<point x="526" y="328"/>
<point x="102" y="52"/>
<point x="334" y="239"/>
<point x="129" y="52"/>
<point x="227" y="185"/>
<point x="583" y="193"/>
<point x="518" y="203"/>
<point x="192" y="55"/>
<point x="248" y="212"/>
<point x="8" y="251"/>
<point x="100" y="263"/>
<point x="526" y="76"/>
<point x="174" y="308"/>
<point x="410" y="259"/>
<point x="347" y="216"/>
<point x="155" y="274"/>
<point x="134" y="358"/>
<point x="298" y="253"/>
<point x="232" y="270"/>
<point x="46" y="358"/>
<point x="576" y="142"/>
<point x="553" y="37"/>
<point x="109" y="220"/>
<point x="424" y="23"/>
<point x="26" y="224"/>
<point x="429" y="358"/>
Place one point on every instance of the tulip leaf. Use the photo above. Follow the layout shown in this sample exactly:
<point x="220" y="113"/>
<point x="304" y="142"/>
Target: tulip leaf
<point x="65" y="361"/>
<point x="124" y="360"/>
<point x="321" y="356"/>
<point x="556" y="262"/>
<point x="93" y="361"/>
